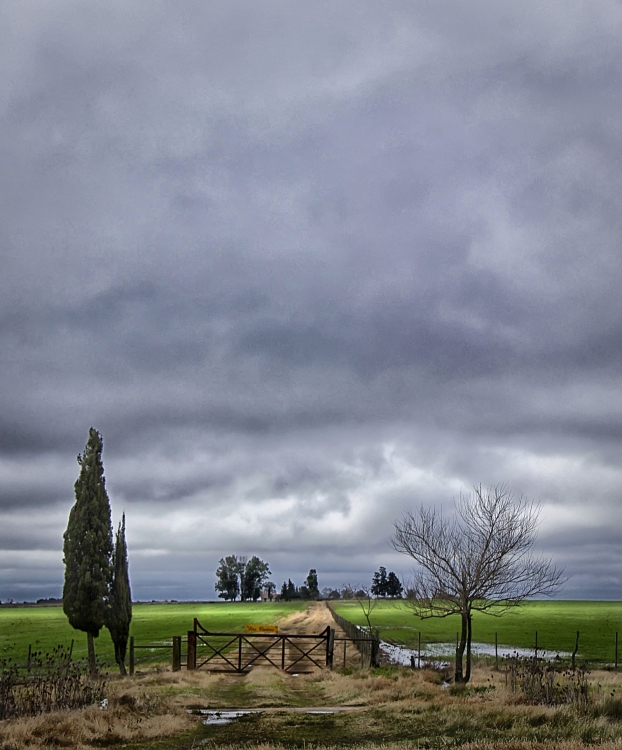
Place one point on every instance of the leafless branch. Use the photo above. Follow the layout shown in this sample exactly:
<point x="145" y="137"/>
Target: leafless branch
<point x="480" y="560"/>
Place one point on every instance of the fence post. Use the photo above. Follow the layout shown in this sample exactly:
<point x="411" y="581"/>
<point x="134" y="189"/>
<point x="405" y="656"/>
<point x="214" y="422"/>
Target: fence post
<point x="29" y="656"/>
<point x="616" y="654"/>
<point x="496" y="652"/>
<point x="330" y="645"/>
<point x="576" y="648"/>
<point x="535" y="657"/>
<point x="375" y="649"/>
<point x="131" y="655"/>
<point x="192" y="650"/>
<point x="419" y="650"/>
<point x="176" y="653"/>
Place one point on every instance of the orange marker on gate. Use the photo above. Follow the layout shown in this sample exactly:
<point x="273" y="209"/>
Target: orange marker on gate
<point x="261" y="629"/>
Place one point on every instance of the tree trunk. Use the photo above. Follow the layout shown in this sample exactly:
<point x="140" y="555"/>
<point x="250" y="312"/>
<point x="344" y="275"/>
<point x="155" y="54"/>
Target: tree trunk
<point x="467" y="675"/>
<point x="91" y="650"/>
<point x="119" y="655"/>
<point x="460" y="650"/>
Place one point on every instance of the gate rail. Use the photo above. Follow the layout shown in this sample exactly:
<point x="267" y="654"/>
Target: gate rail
<point x="239" y="652"/>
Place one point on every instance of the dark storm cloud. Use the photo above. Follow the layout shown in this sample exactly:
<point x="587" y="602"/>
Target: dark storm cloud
<point x="304" y="267"/>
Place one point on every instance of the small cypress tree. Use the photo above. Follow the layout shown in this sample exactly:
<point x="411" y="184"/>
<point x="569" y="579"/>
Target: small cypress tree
<point x="119" y="613"/>
<point x="87" y="547"/>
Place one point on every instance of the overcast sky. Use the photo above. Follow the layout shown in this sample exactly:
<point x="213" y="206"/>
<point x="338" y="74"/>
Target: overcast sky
<point x="306" y="265"/>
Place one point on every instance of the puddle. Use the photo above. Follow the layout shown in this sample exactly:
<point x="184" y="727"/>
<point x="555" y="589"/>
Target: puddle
<point x="436" y="651"/>
<point x="213" y="717"/>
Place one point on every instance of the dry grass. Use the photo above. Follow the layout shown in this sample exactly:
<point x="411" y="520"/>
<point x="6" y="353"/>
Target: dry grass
<point x="392" y="702"/>
<point x="514" y="745"/>
<point x="131" y="715"/>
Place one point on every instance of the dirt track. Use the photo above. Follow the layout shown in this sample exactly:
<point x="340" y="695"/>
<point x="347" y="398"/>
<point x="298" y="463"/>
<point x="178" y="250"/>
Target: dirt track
<point x="315" y="619"/>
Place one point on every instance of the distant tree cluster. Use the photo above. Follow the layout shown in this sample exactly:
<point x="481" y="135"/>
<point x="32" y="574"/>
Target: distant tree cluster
<point x="241" y="577"/>
<point x="308" y="591"/>
<point x="96" y="591"/>
<point x="386" y="584"/>
<point x="383" y="585"/>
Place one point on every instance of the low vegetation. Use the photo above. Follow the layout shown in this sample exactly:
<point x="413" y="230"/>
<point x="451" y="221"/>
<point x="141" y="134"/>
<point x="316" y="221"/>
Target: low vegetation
<point x="51" y="682"/>
<point x="385" y="707"/>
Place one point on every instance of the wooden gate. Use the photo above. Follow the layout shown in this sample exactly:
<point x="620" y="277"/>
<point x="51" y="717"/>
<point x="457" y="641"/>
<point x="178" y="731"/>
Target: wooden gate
<point x="240" y="652"/>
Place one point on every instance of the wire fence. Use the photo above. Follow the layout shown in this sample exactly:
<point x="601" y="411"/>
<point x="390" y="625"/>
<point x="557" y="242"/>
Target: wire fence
<point x="367" y="643"/>
<point x="425" y="652"/>
<point x="167" y="651"/>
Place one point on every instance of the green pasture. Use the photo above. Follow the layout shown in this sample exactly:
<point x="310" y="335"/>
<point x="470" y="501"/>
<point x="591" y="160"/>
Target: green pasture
<point x="44" y="627"/>
<point x="555" y="621"/>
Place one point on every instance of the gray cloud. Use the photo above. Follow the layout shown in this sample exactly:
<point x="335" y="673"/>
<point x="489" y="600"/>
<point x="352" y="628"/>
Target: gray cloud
<point x="305" y="268"/>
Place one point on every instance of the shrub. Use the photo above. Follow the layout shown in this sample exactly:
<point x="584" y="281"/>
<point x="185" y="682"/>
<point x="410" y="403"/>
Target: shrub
<point x="542" y="682"/>
<point x="50" y="682"/>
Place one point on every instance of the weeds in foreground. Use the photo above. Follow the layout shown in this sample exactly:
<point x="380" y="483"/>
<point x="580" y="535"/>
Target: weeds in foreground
<point x="389" y="707"/>
<point x="542" y="682"/>
<point x="51" y="682"/>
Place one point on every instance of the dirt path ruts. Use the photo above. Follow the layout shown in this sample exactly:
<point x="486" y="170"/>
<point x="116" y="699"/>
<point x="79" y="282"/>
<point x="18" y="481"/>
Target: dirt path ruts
<point x="314" y="620"/>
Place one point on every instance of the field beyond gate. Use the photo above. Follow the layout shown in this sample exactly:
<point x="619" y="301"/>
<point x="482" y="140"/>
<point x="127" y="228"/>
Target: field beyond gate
<point x="240" y="652"/>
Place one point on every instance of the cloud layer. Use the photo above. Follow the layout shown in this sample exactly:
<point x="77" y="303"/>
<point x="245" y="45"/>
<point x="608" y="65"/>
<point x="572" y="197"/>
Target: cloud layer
<point x="304" y="268"/>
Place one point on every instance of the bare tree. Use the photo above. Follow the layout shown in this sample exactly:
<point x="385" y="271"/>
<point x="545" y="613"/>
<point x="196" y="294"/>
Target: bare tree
<point x="481" y="560"/>
<point x="365" y="600"/>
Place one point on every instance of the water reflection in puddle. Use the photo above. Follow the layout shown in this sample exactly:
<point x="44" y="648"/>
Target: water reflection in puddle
<point x="215" y="717"/>
<point x="222" y="717"/>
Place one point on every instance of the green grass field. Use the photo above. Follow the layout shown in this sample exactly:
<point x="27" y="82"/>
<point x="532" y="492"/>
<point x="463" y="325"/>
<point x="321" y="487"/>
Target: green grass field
<point x="46" y="627"/>
<point x="555" y="621"/>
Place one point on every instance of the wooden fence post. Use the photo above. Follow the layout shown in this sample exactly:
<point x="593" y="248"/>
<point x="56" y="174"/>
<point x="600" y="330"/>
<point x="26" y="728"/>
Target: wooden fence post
<point x="192" y="650"/>
<point x="576" y="648"/>
<point x="29" y="657"/>
<point x="535" y="657"/>
<point x="330" y="646"/>
<point x="496" y="652"/>
<point x="131" y="655"/>
<point x="176" y="653"/>
<point x="419" y="650"/>
<point x="375" y="649"/>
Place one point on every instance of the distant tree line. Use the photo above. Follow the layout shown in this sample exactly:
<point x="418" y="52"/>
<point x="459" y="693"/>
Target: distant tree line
<point x="384" y="585"/>
<point x="244" y="578"/>
<point x="308" y="591"/>
<point x="247" y="579"/>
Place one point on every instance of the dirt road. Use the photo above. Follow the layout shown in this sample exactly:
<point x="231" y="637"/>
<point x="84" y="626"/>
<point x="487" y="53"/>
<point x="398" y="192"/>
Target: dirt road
<point x="315" y="619"/>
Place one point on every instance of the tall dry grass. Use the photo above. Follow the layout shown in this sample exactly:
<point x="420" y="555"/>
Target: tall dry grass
<point x="486" y="716"/>
<point x="129" y="713"/>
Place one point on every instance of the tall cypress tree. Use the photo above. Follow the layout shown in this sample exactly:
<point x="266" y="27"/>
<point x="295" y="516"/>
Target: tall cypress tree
<point x="87" y="547"/>
<point x="120" y="610"/>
